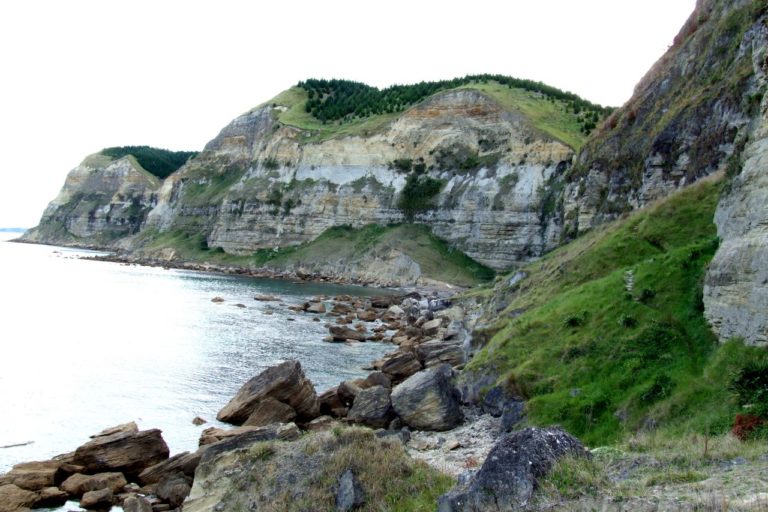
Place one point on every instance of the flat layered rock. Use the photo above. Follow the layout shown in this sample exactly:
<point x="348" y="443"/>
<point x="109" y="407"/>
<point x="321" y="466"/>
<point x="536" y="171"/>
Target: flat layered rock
<point x="14" y="499"/>
<point x="34" y="476"/>
<point x="372" y="407"/>
<point x="401" y="366"/>
<point x="125" y="451"/>
<point x="101" y="499"/>
<point x="270" y="411"/>
<point x="79" y="484"/>
<point x="342" y="333"/>
<point x="184" y="463"/>
<point x="284" y="382"/>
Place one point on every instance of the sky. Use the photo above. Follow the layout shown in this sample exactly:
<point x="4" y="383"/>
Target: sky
<point x="78" y="76"/>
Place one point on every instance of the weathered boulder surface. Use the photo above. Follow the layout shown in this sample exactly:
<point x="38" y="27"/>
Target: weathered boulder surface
<point x="342" y="333"/>
<point x="50" y="497"/>
<point x="349" y="495"/>
<point x="37" y="475"/>
<point x="79" y="484"/>
<point x="137" y="504"/>
<point x="101" y="499"/>
<point x="508" y="477"/>
<point x="270" y="411"/>
<point x="124" y="451"/>
<point x="428" y="400"/>
<point x="15" y="499"/>
<point x="372" y="407"/>
<point x="284" y="382"/>
<point x="184" y="463"/>
<point x="401" y="366"/>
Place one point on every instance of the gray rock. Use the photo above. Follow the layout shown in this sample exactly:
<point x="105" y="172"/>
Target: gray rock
<point x="173" y="490"/>
<point x="508" y="477"/>
<point x="428" y="400"/>
<point x="372" y="407"/>
<point x="497" y="403"/>
<point x="136" y="504"/>
<point x="284" y="382"/>
<point x="349" y="495"/>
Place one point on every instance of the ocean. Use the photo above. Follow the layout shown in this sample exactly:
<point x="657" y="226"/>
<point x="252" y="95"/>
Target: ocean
<point x="87" y="345"/>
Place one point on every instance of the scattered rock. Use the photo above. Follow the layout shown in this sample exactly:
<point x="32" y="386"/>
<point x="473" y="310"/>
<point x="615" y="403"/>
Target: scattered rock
<point x="378" y="379"/>
<point x="368" y="315"/>
<point x="217" y="300"/>
<point x="428" y="400"/>
<point x="431" y="327"/>
<point x="372" y="407"/>
<point x="241" y="306"/>
<point x="315" y="307"/>
<point x="197" y="421"/>
<point x="267" y="298"/>
<point x="401" y="366"/>
<point x="433" y="353"/>
<point x="79" y="484"/>
<point x="321" y="423"/>
<point x="50" y="497"/>
<point x="284" y="382"/>
<point x="508" y="477"/>
<point x="342" y="333"/>
<point x="349" y="389"/>
<point x="125" y="451"/>
<point x="124" y="428"/>
<point x="270" y="411"/>
<point x="101" y="499"/>
<point x="349" y="495"/>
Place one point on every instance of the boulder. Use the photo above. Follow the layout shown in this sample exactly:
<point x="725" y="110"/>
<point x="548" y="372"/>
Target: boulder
<point x="372" y="407"/>
<point x="14" y="499"/>
<point x="330" y="403"/>
<point x="401" y="366"/>
<point x="342" y="333"/>
<point x="34" y="476"/>
<point x="184" y="463"/>
<point x="349" y="389"/>
<point x="321" y="423"/>
<point x="270" y="411"/>
<point x="497" y="403"/>
<point x="101" y="499"/>
<point x="428" y="400"/>
<point x="284" y="382"/>
<point x="378" y="379"/>
<point x="431" y="327"/>
<point x="315" y="307"/>
<point x="508" y="476"/>
<point x="125" y="451"/>
<point x="368" y="315"/>
<point x="197" y="421"/>
<point x="173" y="490"/>
<point x="79" y="484"/>
<point x="349" y="493"/>
<point x="50" y="497"/>
<point x="137" y="504"/>
<point x="433" y="353"/>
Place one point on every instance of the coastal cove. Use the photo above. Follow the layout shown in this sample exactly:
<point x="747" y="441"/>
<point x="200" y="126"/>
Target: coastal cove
<point x="91" y="344"/>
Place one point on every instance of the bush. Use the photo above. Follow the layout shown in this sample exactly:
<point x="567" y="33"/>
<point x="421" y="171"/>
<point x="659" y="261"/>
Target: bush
<point x="750" y="383"/>
<point x="417" y="194"/>
<point x="156" y="161"/>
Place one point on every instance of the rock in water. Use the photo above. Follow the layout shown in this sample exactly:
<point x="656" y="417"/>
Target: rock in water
<point x="50" y="497"/>
<point x="124" y="451"/>
<point x="428" y="400"/>
<point x="285" y="383"/>
<point x="508" y="477"/>
<point x="372" y="407"/>
<point x="34" y="476"/>
<point x="350" y="493"/>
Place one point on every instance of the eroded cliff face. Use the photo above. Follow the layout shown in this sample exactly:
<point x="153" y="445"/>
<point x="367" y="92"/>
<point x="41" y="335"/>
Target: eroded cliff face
<point x="736" y="288"/>
<point x="688" y="116"/>
<point x="259" y="184"/>
<point x="102" y="200"/>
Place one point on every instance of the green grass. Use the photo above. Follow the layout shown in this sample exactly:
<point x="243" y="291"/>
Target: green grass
<point x="549" y="117"/>
<point x="599" y="360"/>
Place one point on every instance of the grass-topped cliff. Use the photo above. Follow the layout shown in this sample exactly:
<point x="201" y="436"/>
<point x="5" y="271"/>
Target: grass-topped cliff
<point x="334" y="108"/>
<point x="606" y="335"/>
<point x="156" y="161"/>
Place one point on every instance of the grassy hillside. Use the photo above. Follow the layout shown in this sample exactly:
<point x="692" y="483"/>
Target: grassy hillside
<point x="606" y="335"/>
<point x="336" y="108"/>
<point x="436" y="259"/>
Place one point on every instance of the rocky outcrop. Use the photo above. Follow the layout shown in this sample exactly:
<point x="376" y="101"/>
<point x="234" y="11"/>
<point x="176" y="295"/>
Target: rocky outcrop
<point x="686" y="119"/>
<point x="428" y="400"/>
<point x="103" y="200"/>
<point x="284" y="383"/>
<point x="736" y="287"/>
<point x="123" y="451"/>
<point x="509" y="475"/>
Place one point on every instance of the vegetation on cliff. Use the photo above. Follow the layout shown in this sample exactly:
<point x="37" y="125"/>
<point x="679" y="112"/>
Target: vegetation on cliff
<point x="156" y="161"/>
<point x="606" y="334"/>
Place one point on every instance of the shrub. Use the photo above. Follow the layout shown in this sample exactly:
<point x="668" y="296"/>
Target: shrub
<point x="418" y="193"/>
<point x="750" y="383"/>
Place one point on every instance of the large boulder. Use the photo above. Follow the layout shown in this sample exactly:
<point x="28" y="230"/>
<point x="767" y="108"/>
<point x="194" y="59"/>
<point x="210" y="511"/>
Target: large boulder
<point x="372" y="407"/>
<point x="124" y="451"/>
<point x="270" y="411"/>
<point x="173" y="490"/>
<point x="509" y="476"/>
<point x="184" y="463"/>
<point x="285" y="383"/>
<point x="433" y="353"/>
<point x="101" y="499"/>
<point x="401" y="366"/>
<point x="14" y="499"/>
<point x="428" y="400"/>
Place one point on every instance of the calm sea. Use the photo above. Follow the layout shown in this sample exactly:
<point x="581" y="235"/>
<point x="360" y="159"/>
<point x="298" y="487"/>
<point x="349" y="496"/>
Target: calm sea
<point x="87" y="345"/>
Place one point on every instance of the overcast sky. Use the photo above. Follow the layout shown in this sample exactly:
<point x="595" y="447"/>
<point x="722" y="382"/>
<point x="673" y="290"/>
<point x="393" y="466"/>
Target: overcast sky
<point x="80" y="75"/>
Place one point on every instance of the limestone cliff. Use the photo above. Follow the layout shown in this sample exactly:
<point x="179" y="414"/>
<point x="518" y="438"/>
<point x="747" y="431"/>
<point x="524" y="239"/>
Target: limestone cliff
<point x="103" y="200"/>
<point x="736" y="289"/>
<point x="688" y="116"/>
<point x="260" y="184"/>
